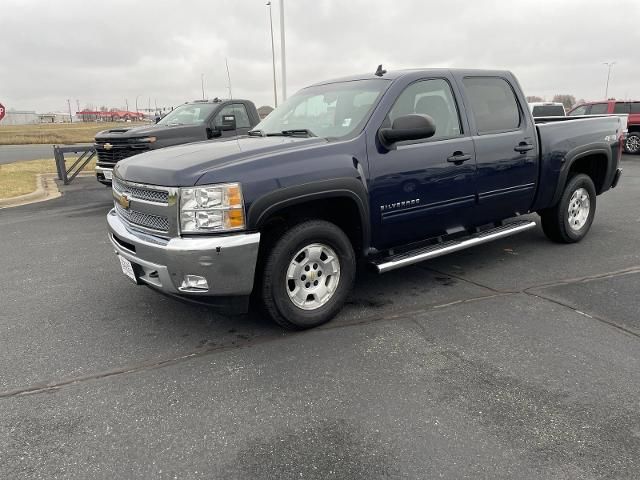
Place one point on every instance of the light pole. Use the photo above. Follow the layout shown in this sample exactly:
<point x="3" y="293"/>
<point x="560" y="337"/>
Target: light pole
<point x="273" y="57"/>
<point x="126" y="103"/>
<point x="283" y="57"/>
<point x="609" y="67"/>
<point x="137" y="97"/>
<point x="202" y="84"/>
<point x="70" y="116"/>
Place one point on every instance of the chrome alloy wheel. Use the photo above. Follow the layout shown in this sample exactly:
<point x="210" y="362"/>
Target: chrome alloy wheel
<point x="579" y="206"/>
<point x="313" y="276"/>
<point x="633" y="144"/>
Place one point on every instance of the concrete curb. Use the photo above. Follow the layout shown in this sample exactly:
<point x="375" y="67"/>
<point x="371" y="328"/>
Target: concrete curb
<point x="46" y="189"/>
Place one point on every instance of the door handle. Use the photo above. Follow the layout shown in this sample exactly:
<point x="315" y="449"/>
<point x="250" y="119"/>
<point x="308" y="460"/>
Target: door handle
<point x="458" y="158"/>
<point x="523" y="147"/>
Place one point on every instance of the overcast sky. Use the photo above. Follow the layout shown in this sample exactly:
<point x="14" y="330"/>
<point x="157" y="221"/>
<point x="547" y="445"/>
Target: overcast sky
<point x="103" y="52"/>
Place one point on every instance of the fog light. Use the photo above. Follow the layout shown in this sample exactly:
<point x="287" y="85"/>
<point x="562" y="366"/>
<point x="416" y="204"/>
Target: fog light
<point x="194" y="283"/>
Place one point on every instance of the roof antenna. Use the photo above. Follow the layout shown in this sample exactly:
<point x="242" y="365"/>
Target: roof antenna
<point x="231" y="98"/>
<point x="380" y="72"/>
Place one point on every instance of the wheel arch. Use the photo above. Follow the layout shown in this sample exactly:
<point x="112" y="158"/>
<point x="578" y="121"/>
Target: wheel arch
<point x="594" y="161"/>
<point x="343" y="200"/>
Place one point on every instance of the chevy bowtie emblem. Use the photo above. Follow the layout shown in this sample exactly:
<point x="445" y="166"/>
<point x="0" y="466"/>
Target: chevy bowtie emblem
<point x="124" y="201"/>
<point x="107" y="146"/>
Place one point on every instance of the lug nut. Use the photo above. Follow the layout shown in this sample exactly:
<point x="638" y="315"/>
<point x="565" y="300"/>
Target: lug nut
<point x="303" y="278"/>
<point x="307" y="285"/>
<point x="315" y="283"/>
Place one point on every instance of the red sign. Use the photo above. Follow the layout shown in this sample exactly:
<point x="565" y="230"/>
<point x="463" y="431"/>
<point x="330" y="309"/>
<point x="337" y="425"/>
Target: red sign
<point x="2" y="110"/>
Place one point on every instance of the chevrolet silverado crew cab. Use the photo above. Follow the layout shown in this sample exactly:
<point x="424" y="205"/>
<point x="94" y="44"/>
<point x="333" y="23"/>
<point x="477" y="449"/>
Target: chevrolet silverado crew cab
<point x="190" y="122"/>
<point x="385" y="169"/>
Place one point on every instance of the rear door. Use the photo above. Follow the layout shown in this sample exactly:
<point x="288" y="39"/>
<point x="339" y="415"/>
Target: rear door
<point x="505" y="144"/>
<point x="423" y="188"/>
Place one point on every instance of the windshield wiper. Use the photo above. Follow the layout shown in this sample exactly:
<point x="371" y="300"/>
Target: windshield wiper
<point x="293" y="132"/>
<point x="255" y="133"/>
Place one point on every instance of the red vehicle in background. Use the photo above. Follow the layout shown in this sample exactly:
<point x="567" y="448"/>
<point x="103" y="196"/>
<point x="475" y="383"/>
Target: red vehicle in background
<point x="632" y="108"/>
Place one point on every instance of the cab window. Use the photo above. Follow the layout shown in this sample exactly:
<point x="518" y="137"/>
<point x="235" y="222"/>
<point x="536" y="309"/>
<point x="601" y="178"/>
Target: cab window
<point x="581" y="110"/>
<point x="494" y="104"/>
<point x="598" y="108"/>
<point x="429" y="97"/>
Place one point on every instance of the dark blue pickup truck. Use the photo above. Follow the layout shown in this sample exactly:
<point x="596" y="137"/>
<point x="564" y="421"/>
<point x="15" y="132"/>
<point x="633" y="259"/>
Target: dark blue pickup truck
<point x="386" y="169"/>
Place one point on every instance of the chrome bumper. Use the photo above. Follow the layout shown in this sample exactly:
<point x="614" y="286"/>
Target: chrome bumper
<point x="104" y="174"/>
<point x="227" y="262"/>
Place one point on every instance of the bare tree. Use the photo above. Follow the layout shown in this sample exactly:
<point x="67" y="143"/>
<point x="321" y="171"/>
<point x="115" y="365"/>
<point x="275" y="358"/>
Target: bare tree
<point x="534" y="98"/>
<point x="567" y="100"/>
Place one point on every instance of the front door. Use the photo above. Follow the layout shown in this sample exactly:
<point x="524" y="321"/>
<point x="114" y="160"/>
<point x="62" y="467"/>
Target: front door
<point x="424" y="188"/>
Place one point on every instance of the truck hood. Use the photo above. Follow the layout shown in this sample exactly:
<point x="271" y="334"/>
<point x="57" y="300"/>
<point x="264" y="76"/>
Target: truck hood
<point x="183" y="165"/>
<point x="148" y="130"/>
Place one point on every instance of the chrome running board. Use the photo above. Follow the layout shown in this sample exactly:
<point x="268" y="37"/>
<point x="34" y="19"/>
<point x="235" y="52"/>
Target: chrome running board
<point x="426" y="253"/>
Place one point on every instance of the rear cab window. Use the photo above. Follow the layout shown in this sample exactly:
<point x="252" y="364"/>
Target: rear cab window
<point x="494" y="105"/>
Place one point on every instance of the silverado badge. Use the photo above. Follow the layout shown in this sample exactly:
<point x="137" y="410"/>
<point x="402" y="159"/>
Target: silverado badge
<point x="107" y="146"/>
<point x="124" y="201"/>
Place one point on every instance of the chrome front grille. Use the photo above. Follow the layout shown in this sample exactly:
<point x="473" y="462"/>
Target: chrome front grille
<point x="147" y="207"/>
<point x="148" y="194"/>
<point x="146" y="220"/>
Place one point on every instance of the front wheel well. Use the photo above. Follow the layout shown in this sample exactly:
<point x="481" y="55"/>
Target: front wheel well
<point x="595" y="166"/>
<point x="342" y="211"/>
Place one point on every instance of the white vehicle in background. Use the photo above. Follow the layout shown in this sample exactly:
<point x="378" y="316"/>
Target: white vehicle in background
<point x="547" y="109"/>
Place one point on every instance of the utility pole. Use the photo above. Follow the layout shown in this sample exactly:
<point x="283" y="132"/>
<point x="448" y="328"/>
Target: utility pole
<point x="137" y="111"/>
<point x="149" y="105"/>
<point x="283" y="57"/>
<point x="273" y="57"/>
<point x="609" y="67"/>
<point x="78" y="105"/>
<point x="126" y="103"/>
<point x="202" y="84"/>
<point x="70" y="116"/>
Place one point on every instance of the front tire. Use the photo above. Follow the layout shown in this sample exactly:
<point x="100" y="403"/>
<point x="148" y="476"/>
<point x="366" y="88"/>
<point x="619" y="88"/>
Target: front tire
<point x="632" y="143"/>
<point x="308" y="274"/>
<point x="570" y="220"/>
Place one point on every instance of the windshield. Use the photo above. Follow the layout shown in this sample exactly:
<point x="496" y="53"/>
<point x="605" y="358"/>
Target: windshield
<point x="189" y="114"/>
<point x="332" y="111"/>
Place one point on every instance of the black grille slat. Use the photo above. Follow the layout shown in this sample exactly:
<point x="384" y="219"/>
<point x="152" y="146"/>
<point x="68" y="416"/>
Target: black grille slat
<point x="120" y="149"/>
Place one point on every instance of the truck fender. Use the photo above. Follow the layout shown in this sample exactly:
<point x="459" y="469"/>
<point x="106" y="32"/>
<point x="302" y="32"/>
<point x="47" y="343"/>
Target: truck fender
<point x="574" y="155"/>
<point x="353" y="188"/>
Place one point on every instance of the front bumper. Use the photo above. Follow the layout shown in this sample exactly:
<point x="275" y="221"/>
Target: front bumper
<point x="104" y="174"/>
<point x="227" y="262"/>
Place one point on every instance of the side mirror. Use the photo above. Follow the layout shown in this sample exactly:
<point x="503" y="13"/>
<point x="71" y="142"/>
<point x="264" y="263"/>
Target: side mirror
<point x="413" y="126"/>
<point x="228" y="123"/>
<point x="213" y="133"/>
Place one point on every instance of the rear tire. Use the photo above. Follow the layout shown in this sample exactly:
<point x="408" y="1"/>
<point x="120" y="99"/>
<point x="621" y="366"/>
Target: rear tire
<point x="308" y="274"/>
<point x="570" y="220"/>
<point x="632" y="143"/>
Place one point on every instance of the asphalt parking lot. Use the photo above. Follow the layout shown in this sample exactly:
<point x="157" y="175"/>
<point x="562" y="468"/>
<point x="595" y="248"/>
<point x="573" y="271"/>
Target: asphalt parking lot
<point x="516" y="359"/>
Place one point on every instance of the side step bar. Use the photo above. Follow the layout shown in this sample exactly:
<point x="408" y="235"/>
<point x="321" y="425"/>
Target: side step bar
<point x="408" y="258"/>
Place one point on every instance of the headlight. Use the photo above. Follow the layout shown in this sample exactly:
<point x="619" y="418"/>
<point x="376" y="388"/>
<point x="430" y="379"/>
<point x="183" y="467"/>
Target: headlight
<point x="144" y="140"/>
<point x="211" y="208"/>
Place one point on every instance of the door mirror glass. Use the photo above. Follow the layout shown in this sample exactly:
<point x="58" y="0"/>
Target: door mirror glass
<point x="413" y="126"/>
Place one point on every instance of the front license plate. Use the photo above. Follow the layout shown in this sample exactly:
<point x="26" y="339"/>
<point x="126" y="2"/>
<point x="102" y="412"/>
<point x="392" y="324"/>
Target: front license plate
<point x="108" y="174"/>
<point x="127" y="268"/>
